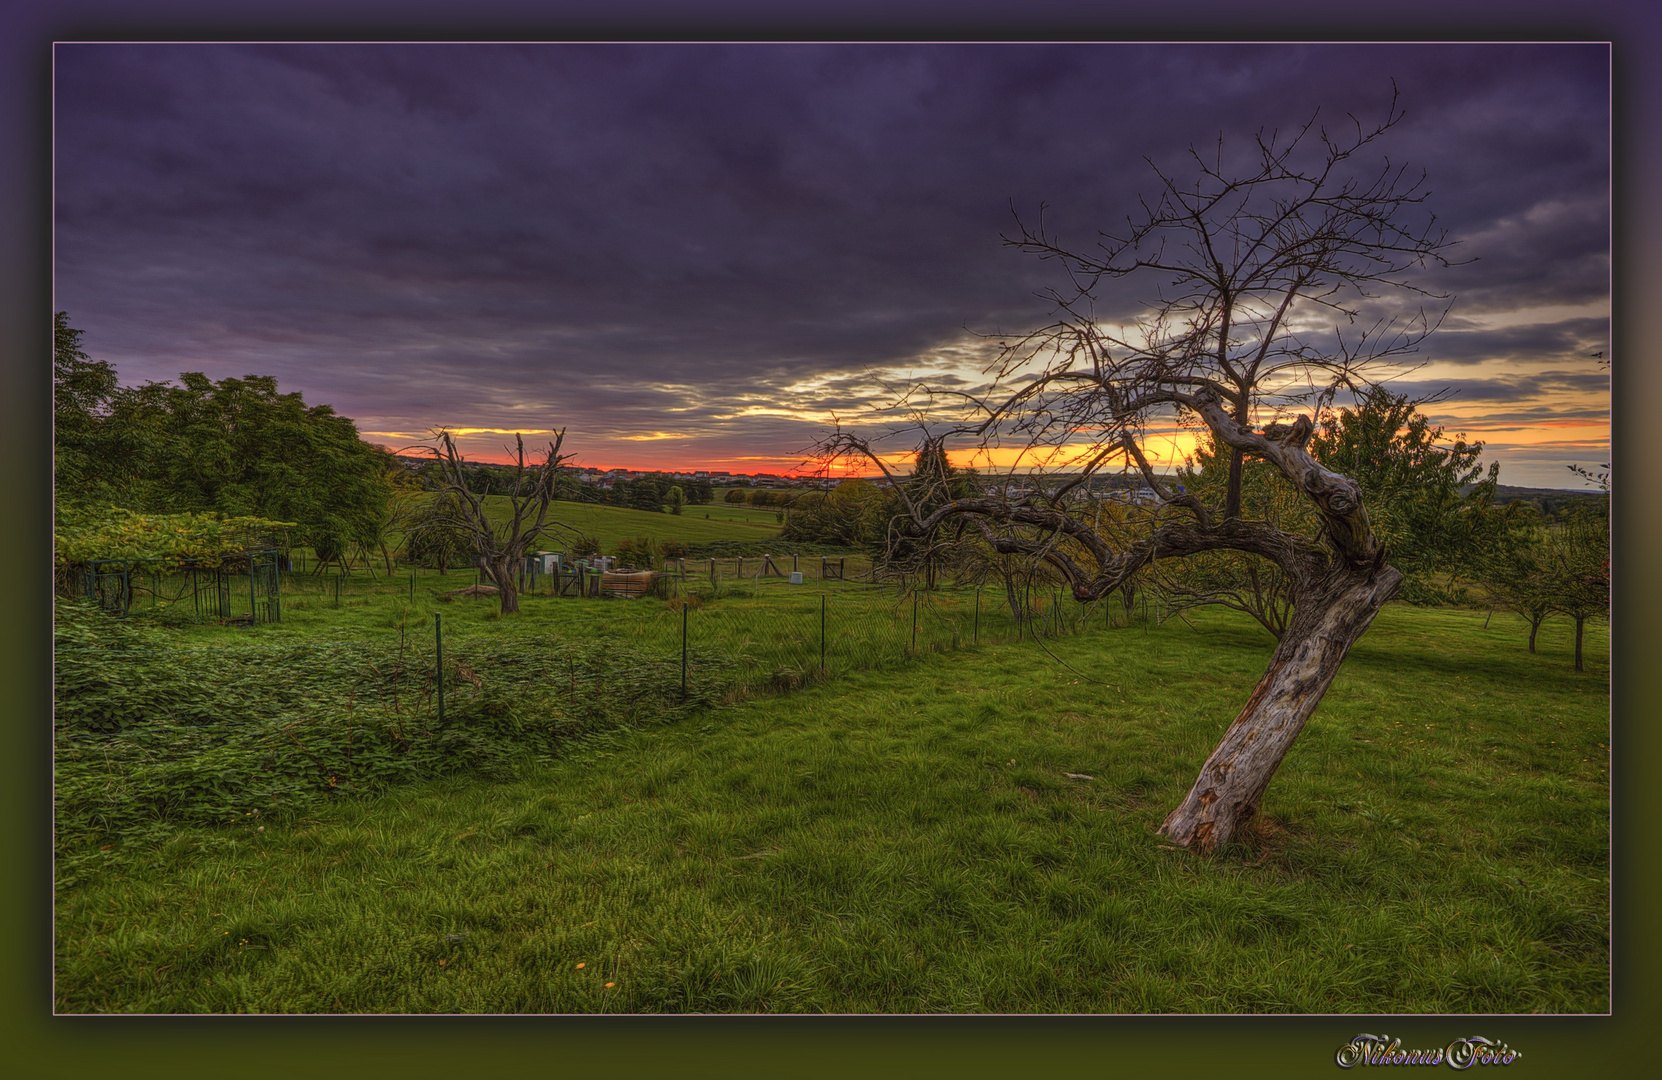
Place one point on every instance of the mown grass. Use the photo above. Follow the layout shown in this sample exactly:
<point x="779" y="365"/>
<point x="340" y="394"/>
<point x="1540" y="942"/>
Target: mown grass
<point x="909" y="841"/>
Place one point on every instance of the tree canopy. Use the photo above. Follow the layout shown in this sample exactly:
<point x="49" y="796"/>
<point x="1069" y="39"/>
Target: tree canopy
<point x="235" y="447"/>
<point x="83" y="534"/>
<point x="1431" y="502"/>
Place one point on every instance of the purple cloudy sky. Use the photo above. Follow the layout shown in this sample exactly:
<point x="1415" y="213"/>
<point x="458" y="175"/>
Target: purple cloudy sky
<point x="692" y="256"/>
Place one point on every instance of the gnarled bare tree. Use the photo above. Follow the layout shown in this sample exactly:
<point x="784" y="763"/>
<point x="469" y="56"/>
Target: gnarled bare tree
<point x="499" y="542"/>
<point x="1263" y="275"/>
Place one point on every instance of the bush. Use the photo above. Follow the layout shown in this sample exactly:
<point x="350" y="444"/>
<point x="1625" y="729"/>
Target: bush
<point x="638" y="553"/>
<point x="149" y="737"/>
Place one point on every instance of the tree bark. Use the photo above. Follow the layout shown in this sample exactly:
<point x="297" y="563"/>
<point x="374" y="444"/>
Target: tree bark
<point x="1324" y="626"/>
<point x="1580" y="621"/>
<point x="1232" y="494"/>
<point x="501" y="573"/>
<point x="1534" y="626"/>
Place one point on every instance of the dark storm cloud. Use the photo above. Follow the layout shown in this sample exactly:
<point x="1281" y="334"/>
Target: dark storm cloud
<point x="1570" y="340"/>
<point x="663" y="239"/>
<point x="1509" y="390"/>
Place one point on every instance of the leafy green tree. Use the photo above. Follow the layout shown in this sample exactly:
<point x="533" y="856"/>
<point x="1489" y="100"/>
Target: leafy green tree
<point x="1578" y="571"/>
<point x="734" y="495"/>
<point x="1431" y="501"/>
<point x="81" y="393"/>
<point x="1516" y="573"/>
<point x="1230" y="578"/>
<point x="567" y="487"/>
<point x="701" y="493"/>
<point x="431" y="542"/>
<point x="236" y="447"/>
<point x="646" y="493"/>
<point x="81" y="386"/>
<point x="855" y="513"/>
<point x="676" y="499"/>
<point x="239" y="446"/>
<point x="934" y="483"/>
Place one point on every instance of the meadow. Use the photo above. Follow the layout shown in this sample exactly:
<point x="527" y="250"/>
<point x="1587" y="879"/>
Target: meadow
<point x="960" y="822"/>
<point x="694" y="525"/>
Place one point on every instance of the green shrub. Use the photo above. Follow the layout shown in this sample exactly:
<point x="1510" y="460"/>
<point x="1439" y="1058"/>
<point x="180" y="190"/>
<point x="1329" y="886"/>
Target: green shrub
<point x="639" y="553"/>
<point x="149" y="737"/>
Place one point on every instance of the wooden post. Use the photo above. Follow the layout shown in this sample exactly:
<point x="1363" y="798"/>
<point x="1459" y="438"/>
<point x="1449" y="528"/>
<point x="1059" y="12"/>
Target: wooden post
<point x="438" y="643"/>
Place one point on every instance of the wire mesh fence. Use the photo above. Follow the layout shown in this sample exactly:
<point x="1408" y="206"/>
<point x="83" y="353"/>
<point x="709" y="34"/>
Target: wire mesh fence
<point x="157" y="725"/>
<point x="761" y="631"/>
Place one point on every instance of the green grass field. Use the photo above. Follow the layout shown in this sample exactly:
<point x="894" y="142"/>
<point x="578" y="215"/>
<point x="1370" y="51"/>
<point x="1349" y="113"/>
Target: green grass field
<point x="609" y="525"/>
<point x="909" y="840"/>
<point x="694" y="525"/>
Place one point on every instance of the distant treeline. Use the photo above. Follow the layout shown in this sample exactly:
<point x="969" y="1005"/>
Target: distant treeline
<point x="654" y="492"/>
<point x="1552" y="504"/>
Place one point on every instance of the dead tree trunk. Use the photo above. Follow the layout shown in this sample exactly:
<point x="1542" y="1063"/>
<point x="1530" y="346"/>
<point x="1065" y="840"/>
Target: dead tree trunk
<point x="1242" y="258"/>
<point x="501" y="572"/>
<point x="1323" y="628"/>
<point x="498" y="545"/>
